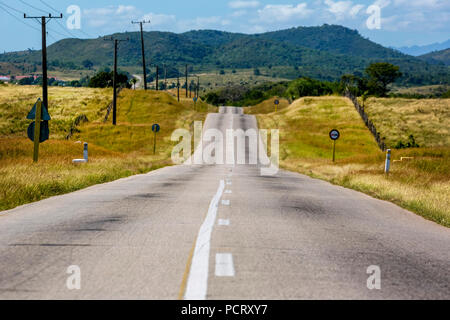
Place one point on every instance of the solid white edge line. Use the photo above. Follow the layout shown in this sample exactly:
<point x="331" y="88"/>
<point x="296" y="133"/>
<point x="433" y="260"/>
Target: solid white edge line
<point x="197" y="284"/>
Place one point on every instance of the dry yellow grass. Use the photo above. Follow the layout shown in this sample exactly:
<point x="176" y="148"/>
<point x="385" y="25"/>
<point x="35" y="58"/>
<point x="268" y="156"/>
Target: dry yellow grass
<point x="114" y="151"/>
<point x="267" y="106"/>
<point x="428" y="120"/>
<point x="421" y="185"/>
<point x="65" y="104"/>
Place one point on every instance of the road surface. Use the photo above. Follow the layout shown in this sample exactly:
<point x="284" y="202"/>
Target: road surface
<point x="220" y="232"/>
<point x="139" y="81"/>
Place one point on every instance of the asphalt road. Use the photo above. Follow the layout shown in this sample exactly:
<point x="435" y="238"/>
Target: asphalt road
<point x="220" y="232"/>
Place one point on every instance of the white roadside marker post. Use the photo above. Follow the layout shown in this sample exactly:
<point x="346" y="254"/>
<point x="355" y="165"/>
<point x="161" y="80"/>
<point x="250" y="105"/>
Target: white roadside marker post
<point x="85" y="152"/>
<point x="85" y="155"/>
<point x="387" y="165"/>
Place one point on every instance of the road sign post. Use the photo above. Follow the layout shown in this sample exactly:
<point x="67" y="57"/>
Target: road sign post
<point x="37" y="131"/>
<point x="195" y="102"/>
<point x="334" y="135"/>
<point x="155" y="128"/>
<point x="277" y="102"/>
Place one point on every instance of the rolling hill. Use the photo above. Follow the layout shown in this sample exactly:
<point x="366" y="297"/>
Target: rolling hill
<point x="437" y="57"/>
<point x="324" y="52"/>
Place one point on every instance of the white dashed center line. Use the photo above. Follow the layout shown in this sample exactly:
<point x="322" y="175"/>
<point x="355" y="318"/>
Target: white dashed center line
<point x="224" y="265"/>
<point x="224" y="222"/>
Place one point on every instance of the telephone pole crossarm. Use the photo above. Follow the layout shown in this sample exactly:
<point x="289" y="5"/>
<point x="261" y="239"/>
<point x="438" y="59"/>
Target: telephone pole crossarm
<point x="44" y="53"/>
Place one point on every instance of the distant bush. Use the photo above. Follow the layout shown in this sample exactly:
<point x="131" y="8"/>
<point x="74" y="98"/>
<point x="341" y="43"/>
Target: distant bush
<point x="410" y="144"/>
<point x="245" y="96"/>
<point x="104" y="79"/>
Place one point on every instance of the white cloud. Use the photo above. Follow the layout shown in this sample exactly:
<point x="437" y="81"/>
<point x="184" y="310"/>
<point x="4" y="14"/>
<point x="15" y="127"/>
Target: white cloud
<point x="284" y="12"/>
<point x="382" y="3"/>
<point x="239" y="13"/>
<point x="160" y="19"/>
<point x="431" y="4"/>
<point x="340" y="9"/>
<point x="356" y="9"/>
<point x="111" y="17"/>
<point x="239" y="4"/>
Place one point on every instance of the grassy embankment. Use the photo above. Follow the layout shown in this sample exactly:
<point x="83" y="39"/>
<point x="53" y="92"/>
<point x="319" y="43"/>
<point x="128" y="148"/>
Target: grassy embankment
<point x="421" y="185"/>
<point x="115" y="152"/>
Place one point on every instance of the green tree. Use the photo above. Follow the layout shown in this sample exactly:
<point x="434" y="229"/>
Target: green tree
<point x="382" y="74"/>
<point x="88" y="64"/>
<point x="104" y="79"/>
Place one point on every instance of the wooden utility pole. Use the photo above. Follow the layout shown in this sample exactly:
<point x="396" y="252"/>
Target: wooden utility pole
<point x="116" y="44"/>
<point x="157" y="78"/>
<point x="37" y="131"/>
<point x="178" y="86"/>
<point x="198" y="86"/>
<point x="186" y="81"/>
<point x="141" y="23"/>
<point x="44" y="54"/>
<point x="165" y="77"/>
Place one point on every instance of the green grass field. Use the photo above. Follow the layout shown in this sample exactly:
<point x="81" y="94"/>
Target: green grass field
<point x="421" y="185"/>
<point x="114" y="151"/>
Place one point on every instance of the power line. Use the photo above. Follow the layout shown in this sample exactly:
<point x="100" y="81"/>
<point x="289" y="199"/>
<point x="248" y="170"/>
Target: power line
<point x="31" y="6"/>
<point x="59" y="23"/>
<point x="1" y="2"/>
<point x="65" y="29"/>
<point x="49" y="6"/>
<point x="12" y="15"/>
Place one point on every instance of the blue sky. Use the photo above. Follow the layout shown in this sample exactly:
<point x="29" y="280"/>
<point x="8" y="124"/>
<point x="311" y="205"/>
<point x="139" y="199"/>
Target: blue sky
<point x="403" y="22"/>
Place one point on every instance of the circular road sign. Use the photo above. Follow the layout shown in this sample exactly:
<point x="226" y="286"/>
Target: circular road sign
<point x="156" y="128"/>
<point x="334" y="134"/>
<point x="277" y="102"/>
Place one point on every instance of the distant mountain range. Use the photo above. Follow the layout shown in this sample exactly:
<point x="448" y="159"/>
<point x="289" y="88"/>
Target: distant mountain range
<point x="422" y="50"/>
<point x="326" y="52"/>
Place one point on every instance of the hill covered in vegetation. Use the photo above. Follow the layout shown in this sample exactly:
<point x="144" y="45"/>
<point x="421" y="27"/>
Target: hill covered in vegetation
<point x="437" y="57"/>
<point x="325" y="53"/>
